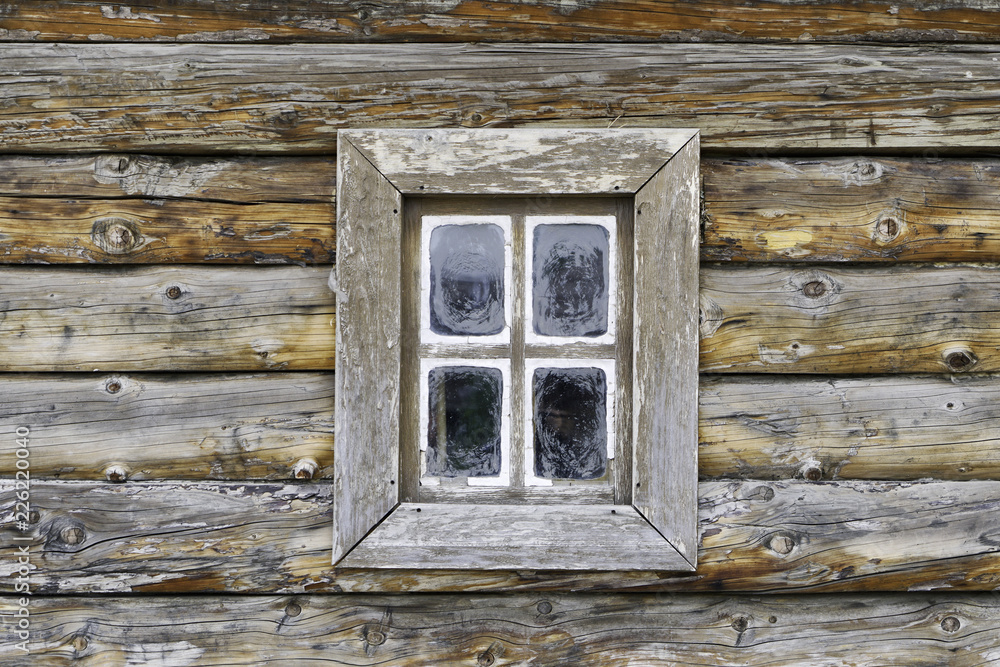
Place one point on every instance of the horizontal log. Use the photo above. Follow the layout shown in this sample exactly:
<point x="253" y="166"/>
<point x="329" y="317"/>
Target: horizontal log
<point x="830" y="210"/>
<point x="166" y="318"/>
<point x="148" y="537"/>
<point x="188" y="426"/>
<point x="584" y="630"/>
<point x="912" y="319"/>
<point x="198" y="98"/>
<point x="898" y="428"/>
<point x="506" y="21"/>
<point x="233" y="427"/>
<point x="245" y="180"/>
<point x="133" y="231"/>
<point x="851" y="209"/>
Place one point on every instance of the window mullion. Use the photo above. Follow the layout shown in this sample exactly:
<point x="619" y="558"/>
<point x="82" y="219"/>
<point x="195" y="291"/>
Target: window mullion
<point x="519" y="298"/>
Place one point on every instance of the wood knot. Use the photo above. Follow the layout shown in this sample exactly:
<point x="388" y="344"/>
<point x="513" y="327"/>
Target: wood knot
<point x="375" y="637"/>
<point x="293" y="609"/>
<point x="305" y="468"/>
<point x="781" y="544"/>
<point x="887" y="229"/>
<point x="113" y="387"/>
<point x="813" y="473"/>
<point x="544" y="607"/>
<point x="950" y="624"/>
<point x="116" y="236"/>
<point x="72" y="535"/>
<point x="116" y="473"/>
<point x="740" y="624"/>
<point x="960" y="360"/>
<point x="814" y="289"/>
<point x="174" y="292"/>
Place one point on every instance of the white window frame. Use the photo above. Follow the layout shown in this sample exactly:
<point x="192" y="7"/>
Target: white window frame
<point x="658" y="168"/>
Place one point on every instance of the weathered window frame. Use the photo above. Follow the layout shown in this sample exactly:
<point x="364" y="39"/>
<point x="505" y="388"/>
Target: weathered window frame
<point x="376" y="169"/>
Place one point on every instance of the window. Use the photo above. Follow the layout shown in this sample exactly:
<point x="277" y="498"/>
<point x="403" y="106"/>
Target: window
<point x="517" y="349"/>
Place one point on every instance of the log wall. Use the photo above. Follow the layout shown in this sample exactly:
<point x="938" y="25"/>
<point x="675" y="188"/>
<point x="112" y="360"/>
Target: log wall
<point x="167" y="178"/>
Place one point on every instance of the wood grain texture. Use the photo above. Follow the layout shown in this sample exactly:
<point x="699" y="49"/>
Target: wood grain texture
<point x="166" y="318"/>
<point x="508" y="20"/>
<point x="369" y="301"/>
<point x="189" y="426"/>
<point x="864" y="209"/>
<point x="202" y="98"/>
<point x="587" y="630"/>
<point x="505" y="537"/>
<point x="901" y="427"/>
<point x="665" y="350"/>
<point x="519" y="161"/>
<point x="254" y="537"/>
<point x="134" y="231"/>
<point x="243" y="180"/>
<point x="861" y="320"/>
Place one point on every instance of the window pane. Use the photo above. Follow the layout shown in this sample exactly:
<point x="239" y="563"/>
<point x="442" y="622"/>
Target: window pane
<point x="463" y="432"/>
<point x="570" y="413"/>
<point x="570" y="280"/>
<point x="467" y="266"/>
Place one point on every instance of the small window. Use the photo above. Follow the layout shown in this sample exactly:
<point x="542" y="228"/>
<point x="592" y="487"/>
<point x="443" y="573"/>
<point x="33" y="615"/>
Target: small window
<point x="517" y="349"/>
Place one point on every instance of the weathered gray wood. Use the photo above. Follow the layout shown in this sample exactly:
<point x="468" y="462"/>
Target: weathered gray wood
<point x="368" y="287"/>
<point x="515" y="537"/>
<point x="904" y="319"/>
<point x="202" y="98"/>
<point x="227" y="21"/>
<point x="133" y="231"/>
<point x="554" y="629"/>
<point x="247" y="180"/>
<point x="147" y="537"/>
<point x="170" y="426"/>
<point x="866" y="209"/>
<point x="850" y="428"/>
<point x="521" y="161"/>
<point x="665" y="351"/>
<point x="165" y="318"/>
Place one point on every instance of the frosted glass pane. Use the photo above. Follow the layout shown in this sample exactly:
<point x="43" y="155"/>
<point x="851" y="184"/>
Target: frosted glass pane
<point x="570" y="280"/>
<point x="467" y="267"/>
<point x="463" y="434"/>
<point x="570" y="415"/>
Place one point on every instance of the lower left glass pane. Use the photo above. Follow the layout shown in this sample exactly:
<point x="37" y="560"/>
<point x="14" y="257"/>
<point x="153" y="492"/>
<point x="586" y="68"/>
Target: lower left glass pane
<point x="464" y="421"/>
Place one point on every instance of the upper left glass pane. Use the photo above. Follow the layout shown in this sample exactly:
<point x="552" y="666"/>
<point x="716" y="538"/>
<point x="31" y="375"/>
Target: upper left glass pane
<point x="466" y="279"/>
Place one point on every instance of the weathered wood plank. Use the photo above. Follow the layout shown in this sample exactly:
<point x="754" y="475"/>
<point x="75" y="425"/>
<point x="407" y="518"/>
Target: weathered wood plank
<point x="915" y="319"/>
<point x="166" y="318"/>
<point x="498" y="537"/>
<point x="133" y="231"/>
<point x="245" y="180"/>
<point x="260" y="426"/>
<point x="256" y="537"/>
<point x="506" y="21"/>
<point x="171" y="426"/>
<point x="850" y="428"/>
<point x="586" y="630"/>
<point x="369" y="297"/>
<point x="665" y="397"/>
<point x="188" y="98"/>
<point x="831" y="209"/>
<point x="851" y="209"/>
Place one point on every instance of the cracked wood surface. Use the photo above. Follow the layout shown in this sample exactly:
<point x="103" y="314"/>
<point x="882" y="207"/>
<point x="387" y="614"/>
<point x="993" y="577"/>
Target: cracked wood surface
<point x="755" y="536"/>
<point x="598" y="630"/>
<point x="204" y="98"/>
<point x="226" y="21"/>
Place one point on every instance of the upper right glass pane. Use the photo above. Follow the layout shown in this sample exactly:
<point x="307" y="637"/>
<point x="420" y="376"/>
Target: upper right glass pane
<point x="572" y="278"/>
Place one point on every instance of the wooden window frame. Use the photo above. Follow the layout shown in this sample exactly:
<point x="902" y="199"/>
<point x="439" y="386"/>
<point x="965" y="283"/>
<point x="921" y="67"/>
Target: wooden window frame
<point x="376" y="169"/>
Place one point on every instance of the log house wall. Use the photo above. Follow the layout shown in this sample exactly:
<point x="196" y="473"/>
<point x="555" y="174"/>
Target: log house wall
<point x="167" y="229"/>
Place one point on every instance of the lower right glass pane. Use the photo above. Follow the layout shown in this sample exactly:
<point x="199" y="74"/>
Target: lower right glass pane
<point x="570" y="423"/>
